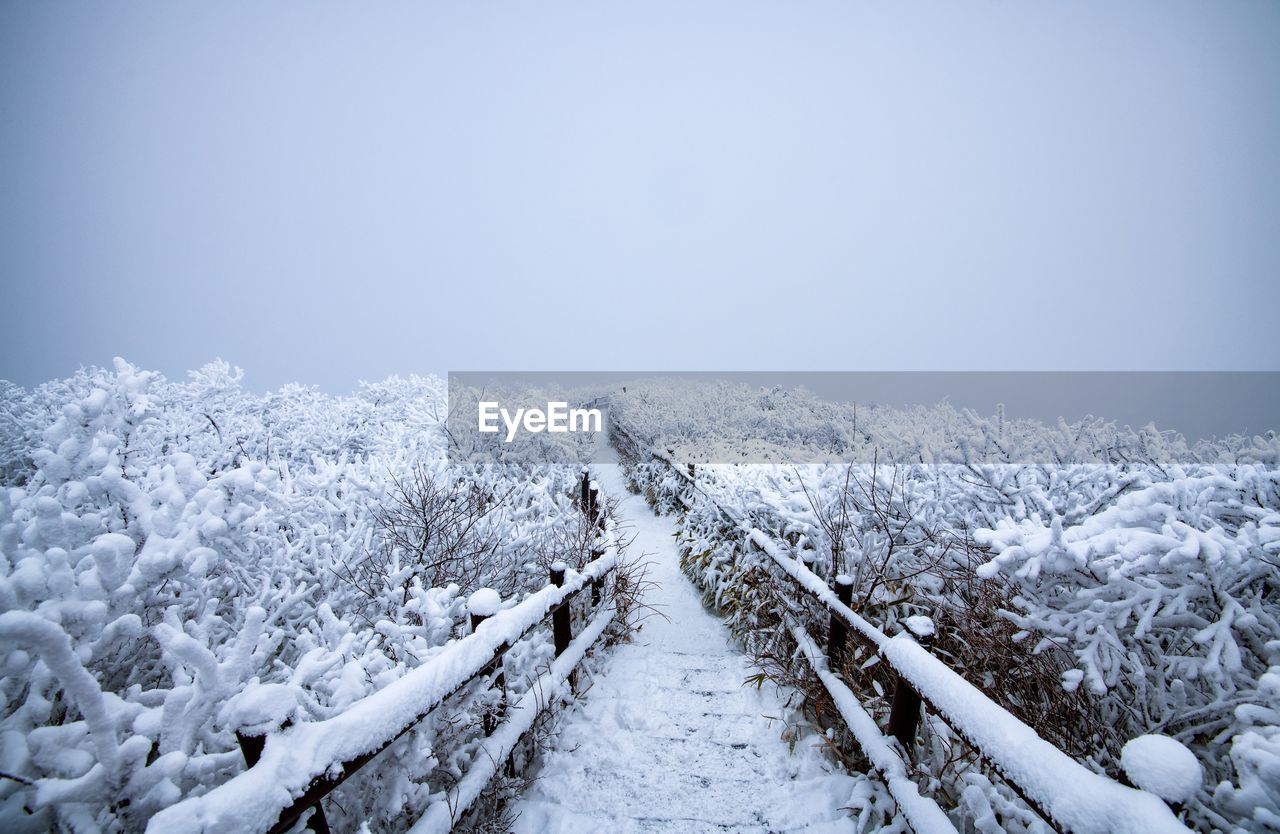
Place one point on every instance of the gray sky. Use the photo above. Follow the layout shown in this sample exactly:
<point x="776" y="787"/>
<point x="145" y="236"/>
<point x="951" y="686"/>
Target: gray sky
<point x="326" y="192"/>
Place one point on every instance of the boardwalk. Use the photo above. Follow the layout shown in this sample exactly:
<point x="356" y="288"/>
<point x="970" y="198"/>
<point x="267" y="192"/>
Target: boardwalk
<point x="669" y="739"/>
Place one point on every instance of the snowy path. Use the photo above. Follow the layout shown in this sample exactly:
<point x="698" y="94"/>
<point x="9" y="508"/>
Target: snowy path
<point x="668" y="738"/>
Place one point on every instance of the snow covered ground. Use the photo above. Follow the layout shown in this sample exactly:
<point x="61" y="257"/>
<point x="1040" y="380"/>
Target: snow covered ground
<point x="668" y="738"/>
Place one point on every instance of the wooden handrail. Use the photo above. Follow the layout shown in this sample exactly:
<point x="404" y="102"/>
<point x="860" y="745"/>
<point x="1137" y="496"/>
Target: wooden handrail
<point x="324" y="785"/>
<point x="442" y="815"/>
<point x="255" y="792"/>
<point x="1067" y="795"/>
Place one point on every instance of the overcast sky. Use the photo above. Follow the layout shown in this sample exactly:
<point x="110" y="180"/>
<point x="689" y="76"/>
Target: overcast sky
<point x="328" y="192"/>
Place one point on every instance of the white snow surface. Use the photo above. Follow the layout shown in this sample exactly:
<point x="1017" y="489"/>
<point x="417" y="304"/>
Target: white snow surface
<point x="484" y="602"/>
<point x="920" y="626"/>
<point x="1163" y="766"/>
<point x="668" y="738"/>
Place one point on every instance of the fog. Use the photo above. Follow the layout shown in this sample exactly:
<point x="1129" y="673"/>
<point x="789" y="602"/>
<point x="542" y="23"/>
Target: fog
<point x="329" y="192"/>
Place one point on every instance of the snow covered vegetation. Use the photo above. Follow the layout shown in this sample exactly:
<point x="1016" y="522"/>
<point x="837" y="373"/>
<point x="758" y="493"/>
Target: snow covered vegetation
<point x="1124" y="584"/>
<point x="186" y="564"/>
<point x="183" y="561"/>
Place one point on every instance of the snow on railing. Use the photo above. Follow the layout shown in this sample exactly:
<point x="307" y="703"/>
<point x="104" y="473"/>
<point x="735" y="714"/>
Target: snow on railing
<point x="1068" y="795"/>
<point x="299" y="765"/>
<point x="922" y="813"/>
<point x="495" y="749"/>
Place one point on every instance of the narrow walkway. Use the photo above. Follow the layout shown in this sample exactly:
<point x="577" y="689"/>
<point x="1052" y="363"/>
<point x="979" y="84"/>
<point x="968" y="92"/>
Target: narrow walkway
<point x="668" y="738"/>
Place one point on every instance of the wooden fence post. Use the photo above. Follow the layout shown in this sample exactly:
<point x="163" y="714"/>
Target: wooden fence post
<point x="597" y="583"/>
<point x="904" y="713"/>
<point x="562" y="622"/>
<point x="838" y="631"/>
<point x="482" y="605"/>
<point x="251" y="748"/>
<point x="590" y="502"/>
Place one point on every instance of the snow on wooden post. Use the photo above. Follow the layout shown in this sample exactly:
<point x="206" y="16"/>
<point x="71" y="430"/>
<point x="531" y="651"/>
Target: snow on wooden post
<point x="562" y="622"/>
<point x="596" y="510"/>
<point x="598" y="583"/>
<point x="561" y="625"/>
<point x="482" y="605"/>
<point x="904" y="714"/>
<point x="838" y="631"/>
<point x="267" y="710"/>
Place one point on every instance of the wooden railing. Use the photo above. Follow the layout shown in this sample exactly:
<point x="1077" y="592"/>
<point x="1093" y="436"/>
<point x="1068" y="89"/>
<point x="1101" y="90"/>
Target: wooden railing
<point x="1067" y="795"/>
<point x="279" y="786"/>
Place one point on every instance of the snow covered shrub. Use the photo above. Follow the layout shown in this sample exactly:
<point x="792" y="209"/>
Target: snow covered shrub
<point x="1169" y="601"/>
<point x="1126" y="584"/>
<point x="182" y="560"/>
<point x="16" y="422"/>
<point x="435" y="528"/>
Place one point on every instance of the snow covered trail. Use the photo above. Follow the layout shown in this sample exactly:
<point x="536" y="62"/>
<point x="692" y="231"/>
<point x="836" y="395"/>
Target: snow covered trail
<point x="668" y="738"/>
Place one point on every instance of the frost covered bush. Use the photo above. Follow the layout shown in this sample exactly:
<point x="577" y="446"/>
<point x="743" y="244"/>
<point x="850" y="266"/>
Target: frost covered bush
<point x="182" y="560"/>
<point x="1169" y="601"/>
<point x="725" y="422"/>
<point x="1126" y="583"/>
